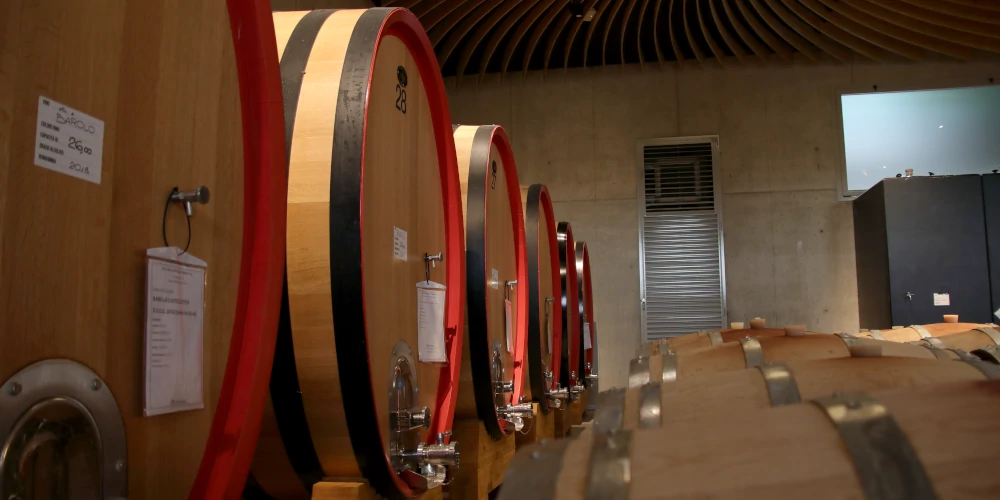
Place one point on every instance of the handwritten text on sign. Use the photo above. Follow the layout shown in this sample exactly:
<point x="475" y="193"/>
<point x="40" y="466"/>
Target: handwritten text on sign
<point x="68" y="141"/>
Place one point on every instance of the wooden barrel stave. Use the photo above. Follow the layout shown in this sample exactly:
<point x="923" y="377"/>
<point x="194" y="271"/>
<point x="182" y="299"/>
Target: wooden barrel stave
<point x="495" y="242"/>
<point x="545" y="311"/>
<point x="699" y="340"/>
<point x="805" y="454"/>
<point x="911" y="334"/>
<point x="366" y="76"/>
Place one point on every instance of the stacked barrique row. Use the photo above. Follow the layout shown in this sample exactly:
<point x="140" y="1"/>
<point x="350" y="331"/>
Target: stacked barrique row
<point x="782" y="413"/>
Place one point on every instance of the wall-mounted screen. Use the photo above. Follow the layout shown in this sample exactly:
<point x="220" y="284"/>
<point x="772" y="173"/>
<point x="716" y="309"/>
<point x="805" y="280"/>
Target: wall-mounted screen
<point x="944" y="132"/>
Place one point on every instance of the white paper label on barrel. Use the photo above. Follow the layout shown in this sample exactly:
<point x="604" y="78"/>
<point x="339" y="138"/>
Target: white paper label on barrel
<point x="68" y="141"/>
<point x="942" y="299"/>
<point x="175" y="306"/>
<point x="495" y="279"/>
<point x="398" y="243"/>
<point x="586" y="336"/>
<point x="430" y="322"/>
<point x="507" y="324"/>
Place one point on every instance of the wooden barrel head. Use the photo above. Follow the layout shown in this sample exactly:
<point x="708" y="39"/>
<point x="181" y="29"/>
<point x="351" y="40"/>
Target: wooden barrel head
<point x="497" y="315"/>
<point x="372" y="194"/>
<point x="586" y="300"/>
<point x="173" y="86"/>
<point x="544" y="293"/>
<point x="569" y="283"/>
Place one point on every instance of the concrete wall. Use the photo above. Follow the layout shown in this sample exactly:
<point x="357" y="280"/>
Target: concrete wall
<point x="789" y="242"/>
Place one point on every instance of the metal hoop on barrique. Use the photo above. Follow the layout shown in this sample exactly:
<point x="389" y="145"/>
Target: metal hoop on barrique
<point x="493" y="363"/>
<point x="544" y="299"/>
<point x="368" y="347"/>
<point x="78" y="307"/>
<point x="588" y="325"/>
<point x="570" y="365"/>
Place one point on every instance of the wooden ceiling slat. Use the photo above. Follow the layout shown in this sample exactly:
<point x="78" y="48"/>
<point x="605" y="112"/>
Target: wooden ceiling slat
<point x="499" y="34"/>
<point x="426" y="7"/>
<point x="979" y="4"/>
<point x="481" y="31"/>
<point x="727" y="37"/>
<point x="947" y="48"/>
<point x="940" y="32"/>
<point x="515" y="38"/>
<point x="607" y="30"/>
<point x="673" y="40"/>
<point x="403" y="4"/>
<point x="621" y="39"/>
<point x="463" y="29"/>
<point x="755" y="45"/>
<point x="461" y="14"/>
<point x="591" y="26"/>
<point x="550" y="44"/>
<point x="656" y="33"/>
<point x="959" y="10"/>
<point x="772" y="41"/>
<point x="543" y="25"/>
<point x="638" y="36"/>
<point x="435" y="16"/>
<point x="717" y="51"/>
<point x="816" y="37"/>
<point x="687" y="32"/>
<point x="863" y="32"/>
<point x="833" y="31"/>
<point x="794" y="40"/>
<point x="573" y="30"/>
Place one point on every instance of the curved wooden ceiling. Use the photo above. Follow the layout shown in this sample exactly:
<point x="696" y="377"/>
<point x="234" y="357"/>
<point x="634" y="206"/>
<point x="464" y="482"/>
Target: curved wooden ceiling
<point x="476" y="37"/>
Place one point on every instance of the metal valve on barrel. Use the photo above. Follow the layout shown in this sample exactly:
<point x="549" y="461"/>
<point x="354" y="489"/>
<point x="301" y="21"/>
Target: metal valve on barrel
<point x="555" y="394"/>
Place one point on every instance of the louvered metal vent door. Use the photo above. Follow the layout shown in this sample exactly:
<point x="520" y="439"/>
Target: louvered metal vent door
<point x="681" y="257"/>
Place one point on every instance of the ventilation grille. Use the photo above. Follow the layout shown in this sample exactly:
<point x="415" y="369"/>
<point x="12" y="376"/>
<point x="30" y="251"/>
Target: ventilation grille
<point x="678" y="177"/>
<point x="683" y="279"/>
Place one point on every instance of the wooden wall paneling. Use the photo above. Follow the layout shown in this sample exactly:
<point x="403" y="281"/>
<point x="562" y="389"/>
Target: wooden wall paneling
<point x="863" y="32"/>
<point x="720" y="55"/>
<point x="431" y="18"/>
<point x="687" y="32"/>
<point x="959" y="10"/>
<point x="457" y="34"/>
<point x="727" y="37"/>
<point x="835" y="32"/>
<point x="621" y="41"/>
<point x="575" y="28"/>
<point x="988" y="25"/>
<point x="592" y="25"/>
<point x="819" y="38"/>
<point x="462" y="14"/>
<point x="947" y="48"/>
<point x="638" y="36"/>
<point x="678" y="55"/>
<point x="755" y="45"/>
<point x="607" y="29"/>
<point x="779" y="47"/>
<point x="482" y="29"/>
<point x="526" y="23"/>
<point x="550" y="43"/>
<point x="940" y="32"/>
<point x="500" y="33"/>
<point x="794" y="40"/>
<point x="541" y="28"/>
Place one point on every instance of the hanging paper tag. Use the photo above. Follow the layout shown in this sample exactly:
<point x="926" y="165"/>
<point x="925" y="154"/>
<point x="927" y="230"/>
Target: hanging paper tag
<point x="507" y="324"/>
<point x="586" y="336"/>
<point x="942" y="299"/>
<point x="430" y="322"/>
<point x="175" y="307"/>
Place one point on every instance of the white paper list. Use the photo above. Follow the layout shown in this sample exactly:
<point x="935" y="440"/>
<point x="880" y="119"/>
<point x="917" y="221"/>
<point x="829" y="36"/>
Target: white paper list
<point x="430" y="322"/>
<point x="175" y="306"/>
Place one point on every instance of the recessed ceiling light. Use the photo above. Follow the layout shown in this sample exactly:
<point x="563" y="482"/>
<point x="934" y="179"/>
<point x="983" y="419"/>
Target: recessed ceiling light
<point x="883" y="166"/>
<point x="940" y="126"/>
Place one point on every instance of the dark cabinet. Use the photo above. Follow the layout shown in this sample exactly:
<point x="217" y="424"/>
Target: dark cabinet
<point x="917" y="237"/>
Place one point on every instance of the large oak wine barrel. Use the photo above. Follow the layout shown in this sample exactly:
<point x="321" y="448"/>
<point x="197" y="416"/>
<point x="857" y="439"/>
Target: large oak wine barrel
<point x="977" y="338"/>
<point x="918" y="332"/>
<point x="777" y="384"/>
<point x="544" y="292"/>
<point x="753" y="352"/>
<point x="368" y="349"/>
<point x="926" y="442"/>
<point x="493" y="361"/>
<point x="183" y="102"/>
<point x="572" y="348"/>
<point x="588" y="325"/>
